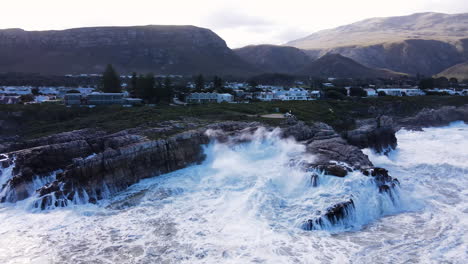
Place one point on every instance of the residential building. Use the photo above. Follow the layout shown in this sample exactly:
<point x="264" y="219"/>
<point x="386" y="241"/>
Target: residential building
<point x="94" y="99"/>
<point x="9" y="99"/>
<point x="293" y="94"/>
<point x="209" y="98"/>
<point x="371" y="92"/>
<point x="402" y="91"/>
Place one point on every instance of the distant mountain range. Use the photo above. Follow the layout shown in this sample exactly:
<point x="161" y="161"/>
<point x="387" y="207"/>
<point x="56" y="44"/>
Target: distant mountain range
<point x="425" y="43"/>
<point x="159" y="49"/>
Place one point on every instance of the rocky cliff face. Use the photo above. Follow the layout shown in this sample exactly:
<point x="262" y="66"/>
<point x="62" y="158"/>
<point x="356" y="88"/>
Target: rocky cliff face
<point x="159" y="49"/>
<point x="424" y="43"/>
<point x="88" y="165"/>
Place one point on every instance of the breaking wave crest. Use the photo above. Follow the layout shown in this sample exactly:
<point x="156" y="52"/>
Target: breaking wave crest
<point x="249" y="202"/>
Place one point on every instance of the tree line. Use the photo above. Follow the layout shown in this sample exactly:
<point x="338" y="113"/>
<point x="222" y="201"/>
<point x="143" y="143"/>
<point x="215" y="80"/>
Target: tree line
<point x="146" y="87"/>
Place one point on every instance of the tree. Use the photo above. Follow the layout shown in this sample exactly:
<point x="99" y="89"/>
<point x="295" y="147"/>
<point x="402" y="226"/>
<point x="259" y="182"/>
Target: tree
<point x="253" y="85"/>
<point x="427" y="83"/>
<point x="111" y="81"/>
<point x="453" y="82"/>
<point x="26" y="98"/>
<point x="218" y="84"/>
<point x="148" y="88"/>
<point x="35" y="91"/>
<point x="164" y="89"/>
<point x="355" y="91"/>
<point x="133" y="85"/>
<point x="441" y="82"/>
<point x="73" y="92"/>
<point x="199" y="83"/>
<point x="335" y="94"/>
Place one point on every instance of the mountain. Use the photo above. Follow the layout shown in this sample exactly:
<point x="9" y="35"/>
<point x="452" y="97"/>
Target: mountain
<point x="459" y="71"/>
<point x="275" y="59"/>
<point x="424" y="43"/>
<point x="338" y="66"/>
<point x="181" y="50"/>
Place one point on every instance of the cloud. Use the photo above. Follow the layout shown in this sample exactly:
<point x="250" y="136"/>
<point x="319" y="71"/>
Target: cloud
<point x="228" y="19"/>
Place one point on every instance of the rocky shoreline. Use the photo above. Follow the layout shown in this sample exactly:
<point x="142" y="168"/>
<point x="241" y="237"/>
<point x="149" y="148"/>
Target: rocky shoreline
<point x="88" y="165"/>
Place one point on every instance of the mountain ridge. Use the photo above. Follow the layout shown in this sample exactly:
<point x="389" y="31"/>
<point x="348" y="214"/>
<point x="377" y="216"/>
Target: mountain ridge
<point x="421" y="43"/>
<point x="160" y="49"/>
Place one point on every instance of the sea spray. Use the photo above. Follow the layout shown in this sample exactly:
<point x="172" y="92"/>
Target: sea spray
<point x="247" y="203"/>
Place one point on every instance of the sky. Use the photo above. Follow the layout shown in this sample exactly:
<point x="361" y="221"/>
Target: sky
<point x="239" y="22"/>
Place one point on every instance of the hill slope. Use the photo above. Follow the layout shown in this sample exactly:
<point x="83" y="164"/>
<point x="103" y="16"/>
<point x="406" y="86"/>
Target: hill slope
<point x="459" y="71"/>
<point x="159" y="49"/>
<point x="338" y="66"/>
<point x="274" y="59"/>
<point x="423" y="43"/>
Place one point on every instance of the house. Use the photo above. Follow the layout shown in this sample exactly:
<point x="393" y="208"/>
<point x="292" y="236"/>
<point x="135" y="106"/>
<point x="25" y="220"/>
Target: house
<point x="225" y="98"/>
<point x="94" y="99"/>
<point x="209" y="98"/>
<point x="293" y="94"/>
<point x="371" y="92"/>
<point x="402" y="91"/>
<point x="8" y="99"/>
<point x="16" y="90"/>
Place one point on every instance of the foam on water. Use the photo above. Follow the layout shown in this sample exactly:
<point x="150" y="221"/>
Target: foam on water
<point x="247" y="203"/>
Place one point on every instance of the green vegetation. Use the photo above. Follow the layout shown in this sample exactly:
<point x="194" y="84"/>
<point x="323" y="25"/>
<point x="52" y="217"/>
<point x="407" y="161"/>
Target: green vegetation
<point x="356" y="91"/>
<point x="111" y="81"/>
<point x="199" y="83"/>
<point x="45" y="119"/>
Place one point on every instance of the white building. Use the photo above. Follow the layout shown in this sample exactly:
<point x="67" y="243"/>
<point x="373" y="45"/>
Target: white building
<point x="209" y="98"/>
<point x="402" y="91"/>
<point x="16" y="90"/>
<point x="293" y="94"/>
<point x="371" y="92"/>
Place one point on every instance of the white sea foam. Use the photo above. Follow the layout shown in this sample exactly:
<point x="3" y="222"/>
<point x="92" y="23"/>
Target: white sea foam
<point x="246" y="203"/>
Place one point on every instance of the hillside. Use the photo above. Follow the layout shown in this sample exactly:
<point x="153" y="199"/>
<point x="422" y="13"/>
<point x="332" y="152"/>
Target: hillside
<point x="275" y="59"/>
<point x="424" y="43"/>
<point x="338" y="66"/>
<point x="459" y="71"/>
<point x="182" y="50"/>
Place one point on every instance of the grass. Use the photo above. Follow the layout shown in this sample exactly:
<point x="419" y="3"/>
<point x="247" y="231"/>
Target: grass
<point x="45" y="119"/>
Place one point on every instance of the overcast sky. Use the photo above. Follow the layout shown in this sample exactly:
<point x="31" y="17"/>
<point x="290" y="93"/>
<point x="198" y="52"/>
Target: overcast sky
<point x="239" y="22"/>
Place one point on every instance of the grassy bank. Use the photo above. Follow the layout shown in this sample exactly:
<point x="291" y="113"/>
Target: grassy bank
<point x="45" y="119"/>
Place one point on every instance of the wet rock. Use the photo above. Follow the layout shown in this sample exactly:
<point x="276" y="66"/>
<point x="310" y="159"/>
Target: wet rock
<point x="335" y="170"/>
<point x="384" y="188"/>
<point x="377" y="134"/>
<point x="314" y="180"/>
<point x="332" y="215"/>
<point x="435" y="117"/>
<point x="337" y="149"/>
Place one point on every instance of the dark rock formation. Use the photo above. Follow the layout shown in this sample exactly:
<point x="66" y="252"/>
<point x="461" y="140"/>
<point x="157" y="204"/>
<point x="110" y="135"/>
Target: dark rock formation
<point x="378" y="134"/>
<point x="330" y="150"/>
<point x="333" y="215"/>
<point x="89" y="164"/>
<point x="314" y="180"/>
<point x="334" y="170"/>
<point x="435" y="117"/>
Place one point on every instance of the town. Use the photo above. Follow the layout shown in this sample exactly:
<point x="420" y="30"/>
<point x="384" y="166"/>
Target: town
<point x="133" y="90"/>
